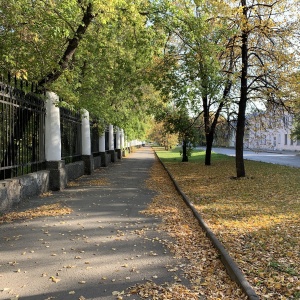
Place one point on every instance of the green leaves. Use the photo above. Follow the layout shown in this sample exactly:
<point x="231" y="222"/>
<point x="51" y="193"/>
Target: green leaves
<point x="101" y="52"/>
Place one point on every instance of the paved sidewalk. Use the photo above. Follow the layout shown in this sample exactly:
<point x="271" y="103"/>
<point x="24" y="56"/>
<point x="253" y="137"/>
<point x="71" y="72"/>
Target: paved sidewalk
<point x="106" y="245"/>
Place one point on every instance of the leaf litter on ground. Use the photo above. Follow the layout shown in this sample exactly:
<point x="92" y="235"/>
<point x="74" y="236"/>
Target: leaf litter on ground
<point x="204" y="269"/>
<point x="54" y="209"/>
<point x="257" y="218"/>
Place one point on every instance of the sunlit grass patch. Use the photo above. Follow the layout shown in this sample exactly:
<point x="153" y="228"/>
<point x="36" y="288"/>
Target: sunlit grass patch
<point x="174" y="155"/>
<point x="257" y="217"/>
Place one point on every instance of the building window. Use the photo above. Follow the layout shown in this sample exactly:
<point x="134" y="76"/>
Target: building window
<point x="285" y="139"/>
<point x="279" y="138"/>
<point x="285" y="120"/>
<point x="292" y="142"/>
<point x="298" y="142"/>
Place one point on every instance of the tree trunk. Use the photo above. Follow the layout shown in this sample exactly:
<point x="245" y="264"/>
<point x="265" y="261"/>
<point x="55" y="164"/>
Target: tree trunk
<point x="211" y="131"/>
<point x="184" y="151"/>
<point x="239" y="156"/>
<point x="209" y="143"/>
<point x="72" y="46"/>
<point x="207" y="130"/>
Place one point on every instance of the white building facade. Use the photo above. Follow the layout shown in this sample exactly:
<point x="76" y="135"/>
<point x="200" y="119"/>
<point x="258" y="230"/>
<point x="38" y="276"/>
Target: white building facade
<point x="271" y="130"/>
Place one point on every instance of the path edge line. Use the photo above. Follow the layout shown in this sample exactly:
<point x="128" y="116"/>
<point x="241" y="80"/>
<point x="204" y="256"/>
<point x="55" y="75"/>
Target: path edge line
<point x="231" y="266"/>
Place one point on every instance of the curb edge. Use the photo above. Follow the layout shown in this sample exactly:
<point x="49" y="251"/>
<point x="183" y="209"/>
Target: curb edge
<point x="232" y="268"/>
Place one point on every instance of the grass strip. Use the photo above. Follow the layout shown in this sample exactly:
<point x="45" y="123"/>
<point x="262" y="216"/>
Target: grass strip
<point x="257" y="218"/>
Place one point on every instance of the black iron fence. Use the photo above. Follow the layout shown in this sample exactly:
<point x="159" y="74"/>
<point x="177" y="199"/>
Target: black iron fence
<point x="94" y="137"/>
<point x="70" y="127"/>
<point x="22" y="121"/>
<point x="106" y="139"/>
<point x="22" y="132"/>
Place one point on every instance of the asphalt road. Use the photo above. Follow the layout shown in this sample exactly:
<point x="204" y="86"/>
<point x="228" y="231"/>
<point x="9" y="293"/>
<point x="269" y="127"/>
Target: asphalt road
<point x="287" y="158"/>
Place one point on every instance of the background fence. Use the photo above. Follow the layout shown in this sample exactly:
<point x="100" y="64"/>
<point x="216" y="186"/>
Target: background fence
<point x="22" y="132"/>
<point x="94" y="137"/>
<point x="70" y="128"/>
<point x="22" y="119"/>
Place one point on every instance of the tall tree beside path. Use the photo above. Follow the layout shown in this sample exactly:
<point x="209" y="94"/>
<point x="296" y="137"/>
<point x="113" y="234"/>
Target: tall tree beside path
<point x="194" y="74"/>
<point x="265" y="45"/>
<point x="296" y="105"/>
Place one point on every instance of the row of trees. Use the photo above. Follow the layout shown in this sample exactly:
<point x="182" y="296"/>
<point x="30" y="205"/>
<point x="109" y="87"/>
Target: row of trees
<point x="180" y="61"/>
<point x="94" y="54"/>
<point x="224" y="57"/>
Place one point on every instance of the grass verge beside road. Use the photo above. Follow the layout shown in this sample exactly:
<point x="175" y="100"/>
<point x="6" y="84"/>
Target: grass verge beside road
<point x="257" y="218"/>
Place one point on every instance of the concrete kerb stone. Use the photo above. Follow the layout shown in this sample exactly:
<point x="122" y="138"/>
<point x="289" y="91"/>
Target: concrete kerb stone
<point x="232" y="268"/>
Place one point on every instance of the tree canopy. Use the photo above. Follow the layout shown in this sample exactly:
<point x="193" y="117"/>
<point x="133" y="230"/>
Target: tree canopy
<point x="123" y="60"/>
<point x="94" y="54"/>
<point x="228" y="56"/>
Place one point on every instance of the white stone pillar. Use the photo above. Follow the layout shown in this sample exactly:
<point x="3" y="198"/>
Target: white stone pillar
<point x="56" y="166"/>
<point x="118" y="139"/>
<point x="85" y="133"/>
<point x="118" y="143"/>
<point x="104" y="156"/>
<point x="86" y="148"/>
<point x="52" y="128"/>
<point x="122" y="139"/>
<point x="111" y="143"/>
<point x="102" y="142"/>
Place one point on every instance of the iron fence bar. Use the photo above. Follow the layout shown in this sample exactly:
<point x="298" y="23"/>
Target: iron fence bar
<point x="70" y="135"/>
<point x="21" y="132"/>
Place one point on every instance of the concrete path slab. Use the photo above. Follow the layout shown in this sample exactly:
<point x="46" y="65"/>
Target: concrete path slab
<point x="104" y="246"/>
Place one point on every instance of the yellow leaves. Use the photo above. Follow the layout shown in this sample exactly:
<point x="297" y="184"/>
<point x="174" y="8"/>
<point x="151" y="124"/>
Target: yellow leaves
<point x="21" y="74"/>
<point x="257" y="218"/>
<point x="54" y="279"/>
<point x="94" y="182"/>
<point x="163" y="292"/>
<point x="116" y="293"/>
<point x="55" y="209"/>
<point x="190" y="243"/>
<point x="99" y="182"/>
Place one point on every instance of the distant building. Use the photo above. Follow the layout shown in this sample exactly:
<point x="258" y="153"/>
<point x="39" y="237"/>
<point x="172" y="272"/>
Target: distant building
<point x="269" y="130"/>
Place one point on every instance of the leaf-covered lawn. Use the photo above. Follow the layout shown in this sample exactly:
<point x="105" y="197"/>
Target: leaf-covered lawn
<point x="203" y="268"/>
<point x="257" y="218"/>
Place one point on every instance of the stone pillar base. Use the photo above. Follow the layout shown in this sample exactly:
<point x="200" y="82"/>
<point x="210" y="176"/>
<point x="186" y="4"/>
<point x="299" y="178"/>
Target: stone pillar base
<point x="58" y="175"/>
<point x="113" y="154"/>
<point x="88" y="164"/>
<point x="119" y="153"/>
<point x="105" y="159"/>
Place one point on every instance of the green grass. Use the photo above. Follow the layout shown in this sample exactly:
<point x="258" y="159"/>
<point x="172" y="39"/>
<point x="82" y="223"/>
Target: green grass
<point x="257" y="218"/>
<point x="198" y="156"/>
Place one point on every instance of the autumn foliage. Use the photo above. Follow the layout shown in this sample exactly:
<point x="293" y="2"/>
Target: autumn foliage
<point x="257" y="218"/>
